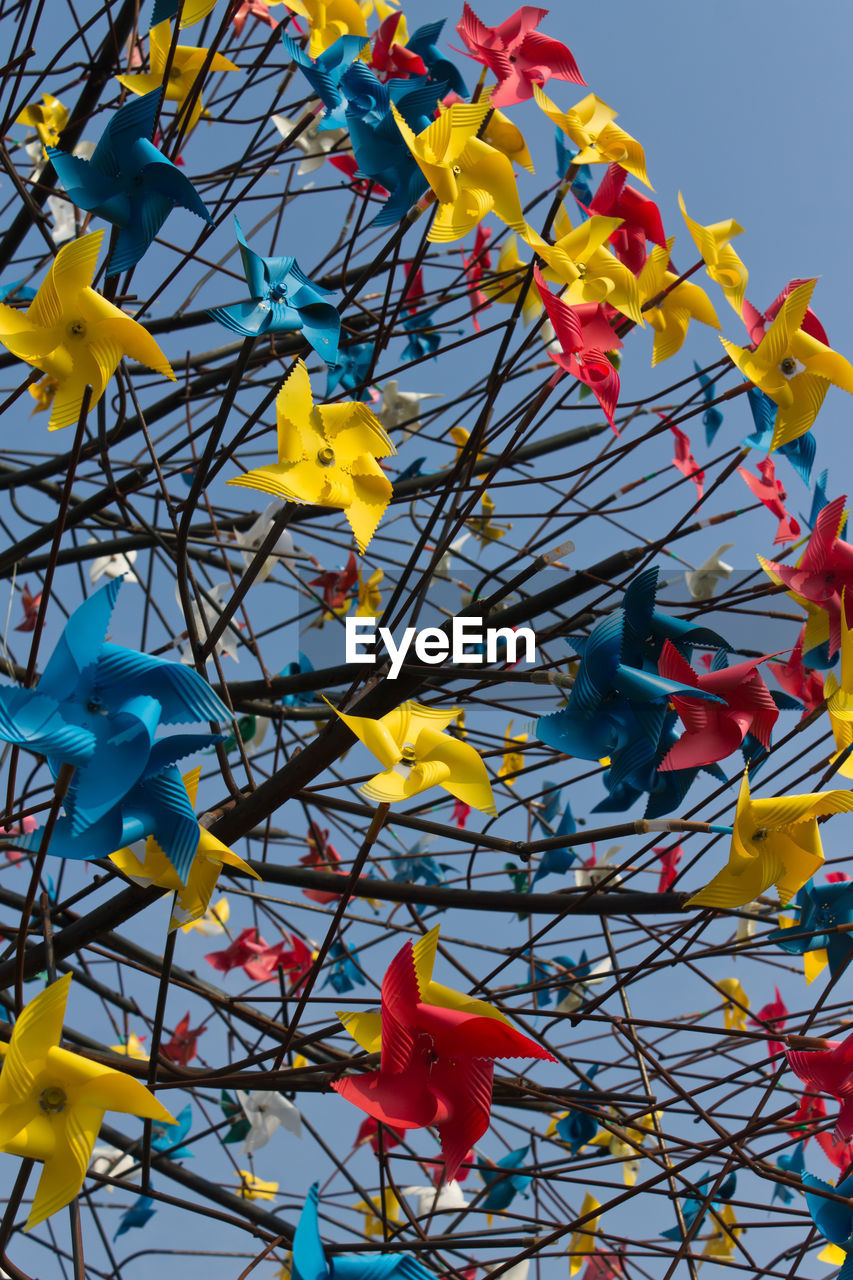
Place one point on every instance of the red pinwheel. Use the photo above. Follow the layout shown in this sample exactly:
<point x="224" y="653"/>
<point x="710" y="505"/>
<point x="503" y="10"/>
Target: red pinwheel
<point x="803" y="683"/>
<point x="713" y="730"/>
<point x="824" y="570"/>
<point x="413" y="289"/>
<point x="183" y="1046"/>
<point x="517" y="53"/>
<point x="758" y="322"/>
<point x="30" y="604"/>
<point x="478" y="261"/>
<point x="348" y="166"/>
<point x="368" y="1131"/>
<point x="258" y="959"/>
<point x="438" y="1050"/>
<point x="775" y="1013"/>
<point x="641" y="220"/>
<point x="257" y="9"/>
<point x="389" y="57"/>
<point x="584" y="334"/>
<point x="323" y="855"/>
<point x="829" y="1071"/>
<point x="669" y="860"/>
<point x="772" y="493"/>
<point x="684" y="460"/>
<point x="336" y="584"/>
<point x="460" y="814"/>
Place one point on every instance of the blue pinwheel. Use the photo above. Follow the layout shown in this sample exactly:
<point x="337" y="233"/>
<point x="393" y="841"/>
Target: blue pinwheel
<point x="692" y="1209"/>
<point x="352" y="369"/>
<point x="820" y="499"/>
<point x="441" y="71"/>
<point x="821" y="911"/>
<point x="580" y="188"/>
<point x="140" y="1212"/>
<point x="309" y="1259"/>
<point x="554" y="861"/>
<point x="16" y="291"/>
<point x="302" y="667"/>
<point x="128" y="181"/>
<point x="712" y="419"/>
<point x="789" y="1162"/>
<point x="344" y="974"/>
<point x="166" y="1139"/>
<point x="800" y="452"/>
<point x="833" y="1219"/>
<point x="646" y="630"/>
<point x="324" y="74"/>
<point x="502" y="1183"/>
<point x="417" y="865"/>
<point x="577" y="1128"/>
<point x="97" y="708"/>
<point x="284" y="300"/>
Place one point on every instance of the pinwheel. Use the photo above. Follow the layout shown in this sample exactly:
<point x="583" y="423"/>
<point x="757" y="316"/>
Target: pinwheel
<point x="669" y="860"/>
<point x="625" y="1143"/>
<point x="212" y="922"/>
<point x="417" y="754"/>
<point x="314" y="143"/>
<point x="129" y="182"/>
<point x="117" y="565"/>
<point x="48" y="117"/>
<point x="702" y="581"/>
<point x="185" y="68"/>
<point x="259" y="9"/>
<point x="684" y="460"/>
<point x="833" y="1219"/>
<point x="438" y="1047"/>
<point x="440" y="70"/>
<point x="447" y="1198"/>
<point x="64" y="222"/>
<point x="336" y="585"/>
<point x="639" y="216"/>
<point x="816" y="935"/>
<point x="579" y="259"/>
<point x="30" y="605"/>
<point x="829" y="1071"/>
<point x="721" y="261"/>
<point x="674" y="305"/>
<point x="805" y="685"/>
<point x="266" y="1112"/>
<point x="329" y="20"/>
<point x="724" y="1233"/>
<point x="324" y="73"/>
<point x="712" y="419"/>
<point x="772" y="1017"/>
<point x="694" y="1208"/>
<point x="793" y="1163"/>
<point x="775" y="842"/>
<point x="323" y="855"/>
<point x="416" y="864"/>
<point x="518" y="55"/>
<point x="182" y="1046"/>
<point x="327" y="455"/>
<point x="402" y="408"/>
<point x="792" y="367"/>
<point x="502" y="1182"/>
<point x="838" y="691"/>
<point x="284" y="300"/>
<point x="800" y="452"/>
<point x="52" y="1102"/>
<point x="736" y="1004"/>
<point x="140" y="1212"/>
<point x="389" y="55"/>
<point x="584" y="336"/>
<point x="166" y="1139"/>
<point x="309" y="1259"/>
<point x="477" y="261"/>
<point x="513" y="759"/>
<point x="589" y="125"/>
<point x="131" y="1047"/>
<point x="252" y="1188"/>
<point x="74" y="335"/>
<point x="344" y="974"/>
<point x="368" y="1131"/>
<point x="582" y="1242"/>
<point x="469" y="177"/>
<point x="713" y="730"/>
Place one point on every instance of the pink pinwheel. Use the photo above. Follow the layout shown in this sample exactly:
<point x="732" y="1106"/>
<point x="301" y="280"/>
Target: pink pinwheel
<point x="803" y="683"/>
<point x="478" y="261"/>
<point x="641" y="220"/>
<point x="758" y="322"/>
<point x="413" y="289"/>
<point x="825" y="568"/>
<point x="257" y="9"/>
<point x="829" y="1071"/>
<point x="713" y="730"/>
<point x="775" y="1013"/>
<point x="438" y="1049"/>
<point x="391" y="58"/>
<point x="772" y="493"/>
<point x="183" y="1046"/>
<point x="669" y="860"/>
<point x="30" y="604"/>
<point x="517" y="54"/>
<point x="28" y="824"/>
<point x="236" y="955"/>
<point x="460" y="814"/>
<point x="584" y="335"/>
<point x="684" y="460"/>
<point x="324" y="856"/>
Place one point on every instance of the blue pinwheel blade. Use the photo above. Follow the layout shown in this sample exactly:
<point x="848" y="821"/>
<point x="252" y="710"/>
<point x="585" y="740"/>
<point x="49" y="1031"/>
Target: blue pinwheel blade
<point x="164" y="808"/>
<point x="833" y="1220"/>
<point x="166" y="179"/>
<point x="183" y="694"/>
<point x="71" y="667"/>
<point x="599" y="664"/>
<point x="133" y="122"/>
<point x="168" y="751"/>
<point x="85" y="186"/>
<point x="385" y="1266"/>
<point x="309" y="1261"/>
<point x="245" y="318"/>
<point x="29" y="719"/>
<point x="120" y="759"/>
<point x="254" y="266"/>
<point x="97" y="841"/>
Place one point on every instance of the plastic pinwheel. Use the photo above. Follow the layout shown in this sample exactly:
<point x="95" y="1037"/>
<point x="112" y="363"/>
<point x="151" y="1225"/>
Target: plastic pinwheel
<point x="167" y="1138"/>
<point x="580" y="260"/>
<point x="309" y="1259"/>
<point x="327" y="455"/>
<point x="192" y="11"/>
<point x="671" y="313"/>
<point x="329" y="20"/>
<point x="502" y="1182"/>
<point x="438" y="1047"/>
<point x="182" y="1045"/>
<point x="736" y="1004"/>
<point x="324" y="74"/>
<point x="52" y="1102"/>
<point x="792" y="367"/>
<point x="702" y="581"/>
<point x="416" y="864"/>
<point x="284" y="300"/>
<point x="775" y="842"/>
<point x="440" y="70"/>
<point x="48" y="117"/>
<point x="589" y="125"/>
<point x="639" y="216"/>
<point x="148" y="864"/>
<point x="816" y="935"/>
<point x="694" y="1208"/>
<point x="469" y="177"/>
<point x="344" y="973"/>
<point x="771" y="492"/>
<point x="518" y="55"/>
<point x="585" y="336"/>
<point x="390" y="55"/>
<point x="417" y="755"/>
<point x="582" y="1242"/>
<point x="839" y="697"/>
<point x="833" y="1219"/>
<point x="829" y="1071"/>
<point x="139" y="1213"/>
<point x="266" y="1112"/>
<point x="75" y="335"/>
<point x="722" y="263"/>
<point x="259" y="9"/>
<point x="128" y="181"/>
<point x="402" y="408"/>
<point x="184" y="71"/>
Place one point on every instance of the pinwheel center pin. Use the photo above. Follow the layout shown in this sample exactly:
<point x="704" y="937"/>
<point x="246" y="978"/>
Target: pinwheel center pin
<point x="77" y="329"/>
<point x="278" y="292"/>
<point x="326" y="456"/>
<point x="407" y="751"/>
<point x="761" y="834"/>
<point x="457" y="170"/>
<point x="53" y="1099"/>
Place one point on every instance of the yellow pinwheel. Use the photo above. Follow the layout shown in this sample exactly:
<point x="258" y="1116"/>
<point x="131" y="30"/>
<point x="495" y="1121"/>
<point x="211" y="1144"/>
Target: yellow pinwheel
<point x="48" y="117"/>
<point x="775" y="842"/>
<point x="153" y="867"/>
<point x="187" y="63"/>
<point x="736" y="1004"/>
<point x="374" y="1218"/>
<point x="132" y="1047"/>
<point x="513" y="761"/>
<point x="469" y="177"/>
<point x="501" y="133"/>
<point x="331" y="19"/>
<point x="52" y="1102"/>
<point x="725" y="1231"/>
<point x="582" y="1243"/>
<point x="505" y="283"/>
<point x="814" y="962"/>
<point x="671" y="316"/>
<point x="212" y="922"/>
<point x="589" y="124"/>
<point x="75" y="335"/>
<point x="483" y="527"/>
<point x="417" y="755"/>
<point x="252" y="1188"/>
<point x="839" y="694"/>
<point x="327" y="455"/>
<point x="194" y="10"/>
<point x="721" y="262"/>
<point x="579" y="259"/>
<point x="369" y="595"/>
<point x="625" y="1144"/>
<point x="793" y="368"/>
